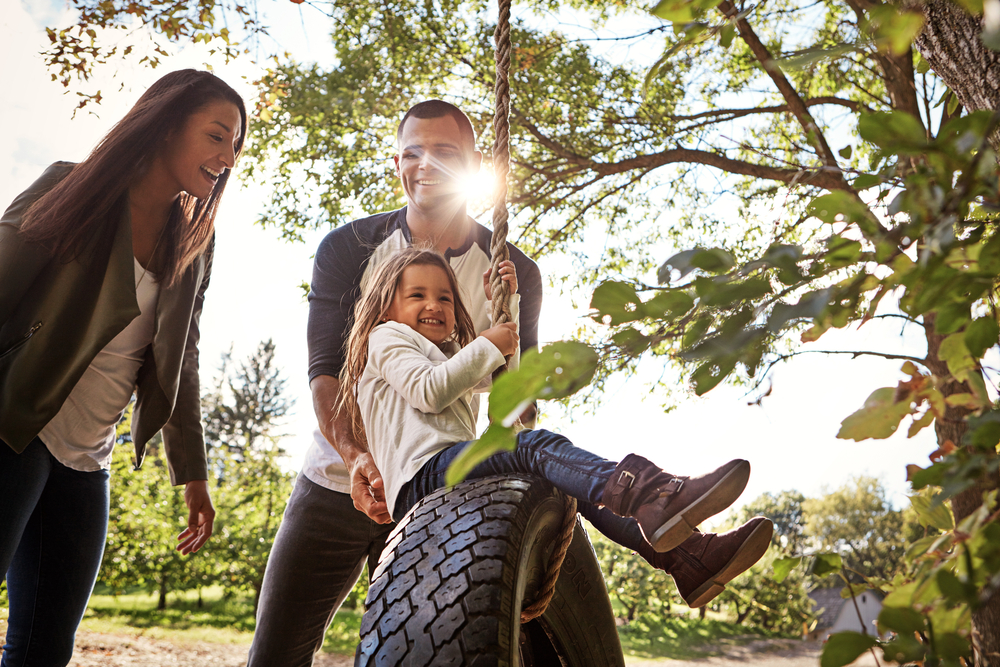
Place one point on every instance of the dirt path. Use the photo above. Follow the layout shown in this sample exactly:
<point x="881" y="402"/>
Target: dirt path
<point x="94" y="649"/>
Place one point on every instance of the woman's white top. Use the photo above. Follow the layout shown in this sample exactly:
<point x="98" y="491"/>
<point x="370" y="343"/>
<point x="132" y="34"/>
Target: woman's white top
<point x="82" y="434"/>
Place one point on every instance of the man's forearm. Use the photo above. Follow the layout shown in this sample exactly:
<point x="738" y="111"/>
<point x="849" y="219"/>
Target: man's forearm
<point x="336" y="430"/>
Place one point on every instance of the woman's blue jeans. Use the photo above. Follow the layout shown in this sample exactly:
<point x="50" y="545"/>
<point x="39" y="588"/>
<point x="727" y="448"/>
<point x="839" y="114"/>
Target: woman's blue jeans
<point x="53" y="525"/>
<point x="574" y="471"/>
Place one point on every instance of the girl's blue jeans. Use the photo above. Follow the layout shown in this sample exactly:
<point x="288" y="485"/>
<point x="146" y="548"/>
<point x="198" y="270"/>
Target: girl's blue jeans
<point x="53" y="525"/>
<point x="574" y="471"/>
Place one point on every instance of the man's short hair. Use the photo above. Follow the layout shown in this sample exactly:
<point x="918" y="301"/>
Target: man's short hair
<point x="439" y="109"/>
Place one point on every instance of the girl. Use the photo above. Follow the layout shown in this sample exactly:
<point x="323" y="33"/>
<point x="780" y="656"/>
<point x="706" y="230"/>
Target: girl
<point x="103" y="270"/>
<point x="413" y="361"/>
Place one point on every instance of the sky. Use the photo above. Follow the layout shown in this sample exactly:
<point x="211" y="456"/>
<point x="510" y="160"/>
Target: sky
<point x="789" y="438"/>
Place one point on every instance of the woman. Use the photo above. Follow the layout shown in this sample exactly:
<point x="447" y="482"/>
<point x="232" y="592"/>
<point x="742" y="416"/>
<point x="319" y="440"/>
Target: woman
<point x="103" y="270"/>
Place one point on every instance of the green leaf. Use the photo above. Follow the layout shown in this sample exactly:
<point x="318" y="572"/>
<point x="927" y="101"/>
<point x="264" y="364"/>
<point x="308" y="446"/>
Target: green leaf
<point x="726" y="35"/>
<point x="879" y="418"/>
<point x="954" y="353"/>
<point x="951" y="317"/>
<point x="903" y="649"/>
<point x="896" y="30"/>
<point x="933" y="514"/>
<point x="865" y="181"/>
<point x="615" y="303"/>
<point x="901" y="620"/>
<point x="784" y="566"/>
<point x="954" y="589"/>
<point x="843" y="648"/>
<point x="554" y="371"/>
<point x="824" y="564"/>
<point x="845" y="152"/>
<point x="981" y="335"/>
<point x="984" y="431"/>
<point x="496" y="438"/>
<point x="951" y="645"/>
<point x="733" y="292"/>
<point x="631" y="341"/>
<point x="667" y="303"/>
<point x="713" y="260"/>
<point x="893" y="130"/>
<point x="682" y="11"/>
<point x="853" y="590"/>
<point x="810" y="306"/>
<point x="710" y="374"/>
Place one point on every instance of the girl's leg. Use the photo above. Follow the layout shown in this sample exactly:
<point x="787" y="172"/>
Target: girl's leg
<point x="55" y="566"/>
<point x="574" y="471"/>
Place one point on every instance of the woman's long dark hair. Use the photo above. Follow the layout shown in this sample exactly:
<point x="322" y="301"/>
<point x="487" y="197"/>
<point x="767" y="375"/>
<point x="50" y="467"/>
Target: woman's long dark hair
<point x="87" y="203"/>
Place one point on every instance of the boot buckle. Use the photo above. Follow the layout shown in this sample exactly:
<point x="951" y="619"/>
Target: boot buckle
<point x="626" y="483"/>
<point x="674" y="485"/>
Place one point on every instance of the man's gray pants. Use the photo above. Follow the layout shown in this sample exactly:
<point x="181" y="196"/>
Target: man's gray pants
<point x="317" y="557"/>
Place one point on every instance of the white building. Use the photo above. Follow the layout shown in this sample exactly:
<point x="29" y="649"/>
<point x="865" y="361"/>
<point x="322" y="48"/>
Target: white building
<point x="837" y="614"/>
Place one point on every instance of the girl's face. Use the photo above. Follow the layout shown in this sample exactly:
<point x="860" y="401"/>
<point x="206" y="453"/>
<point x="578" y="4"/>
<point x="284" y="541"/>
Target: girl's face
<point x="195" y="156"/>
<point x="424" y="302"/>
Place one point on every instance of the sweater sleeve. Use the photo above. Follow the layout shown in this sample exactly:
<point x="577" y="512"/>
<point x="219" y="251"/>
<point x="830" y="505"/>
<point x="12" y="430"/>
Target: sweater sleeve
<point x="428" y="385"/>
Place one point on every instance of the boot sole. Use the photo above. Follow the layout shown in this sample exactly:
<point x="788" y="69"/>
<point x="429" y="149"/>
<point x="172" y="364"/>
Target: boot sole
<point x="751" y="551"/>
<point x="680" y="526"/>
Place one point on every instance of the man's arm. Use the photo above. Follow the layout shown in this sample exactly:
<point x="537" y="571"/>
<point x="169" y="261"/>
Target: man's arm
<point x="366" y="482"/>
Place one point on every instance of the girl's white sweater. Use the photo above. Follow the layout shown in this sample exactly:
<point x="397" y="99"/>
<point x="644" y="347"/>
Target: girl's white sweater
<point x="416" y="400"/>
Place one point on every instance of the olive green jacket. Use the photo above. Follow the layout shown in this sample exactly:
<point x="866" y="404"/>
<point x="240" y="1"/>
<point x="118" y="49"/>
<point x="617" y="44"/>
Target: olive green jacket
<point x="55" y="317"/>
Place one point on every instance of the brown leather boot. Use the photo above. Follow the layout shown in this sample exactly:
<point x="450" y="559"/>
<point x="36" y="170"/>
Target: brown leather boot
<point x="706" y="562"/>
<point x="668" y="507"/>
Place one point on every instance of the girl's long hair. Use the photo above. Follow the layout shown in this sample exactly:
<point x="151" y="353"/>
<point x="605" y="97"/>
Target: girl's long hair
<point x="89" y="201"/>
<point x="376" y="298"/>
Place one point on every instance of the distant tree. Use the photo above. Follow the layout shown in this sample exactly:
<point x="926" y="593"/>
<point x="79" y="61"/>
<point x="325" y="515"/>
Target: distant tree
<point x="146" y="514"/>
<point x="858" y="522"/>
<point x="631" y="581"/>
<point x="242" y="415"/>
<point x="756" y="598"/>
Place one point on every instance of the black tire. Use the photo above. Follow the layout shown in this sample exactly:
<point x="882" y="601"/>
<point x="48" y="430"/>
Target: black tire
<point x="449" y="585"/>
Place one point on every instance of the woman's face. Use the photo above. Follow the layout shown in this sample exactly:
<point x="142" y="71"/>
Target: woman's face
<point x="197" y="155"/>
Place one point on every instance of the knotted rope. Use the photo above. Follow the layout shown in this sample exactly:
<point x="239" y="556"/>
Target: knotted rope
<point x="499" y="289"/>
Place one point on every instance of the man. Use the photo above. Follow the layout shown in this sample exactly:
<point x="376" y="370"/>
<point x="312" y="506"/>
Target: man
<point x="337" y="519"/>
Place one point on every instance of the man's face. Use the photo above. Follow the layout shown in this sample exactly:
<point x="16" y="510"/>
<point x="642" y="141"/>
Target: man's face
<point x="434" y="164"/>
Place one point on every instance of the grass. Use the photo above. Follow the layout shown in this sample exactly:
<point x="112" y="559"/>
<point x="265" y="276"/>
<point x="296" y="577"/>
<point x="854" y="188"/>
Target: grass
<point x="219" y="619"/>
<point x="231" y="621"/>
<point x="683" y="637"/>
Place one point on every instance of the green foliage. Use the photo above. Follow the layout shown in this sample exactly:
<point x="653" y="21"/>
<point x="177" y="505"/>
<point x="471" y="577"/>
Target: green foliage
<point x="554" y="371"/>
<point x="638" y="590"/>
<point x="248" y="487"/>
<point x="855" y="523"/>
<point x="251" y="489"/>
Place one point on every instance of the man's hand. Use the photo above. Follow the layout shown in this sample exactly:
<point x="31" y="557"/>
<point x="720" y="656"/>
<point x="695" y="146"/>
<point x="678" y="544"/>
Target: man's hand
<point x="366" y="481"/>
<point x="201" y="516"/>
<point x="367" y="490"/>
<point x="507" y="273"/>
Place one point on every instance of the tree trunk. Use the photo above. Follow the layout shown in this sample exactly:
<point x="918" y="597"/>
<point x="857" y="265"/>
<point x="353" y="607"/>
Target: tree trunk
<point x="162" y="604"/>
<point x="986" y="619"/>
<point x="950" y="43"/>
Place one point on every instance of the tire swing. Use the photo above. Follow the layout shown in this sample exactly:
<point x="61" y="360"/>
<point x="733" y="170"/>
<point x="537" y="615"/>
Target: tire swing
<point x="454" y="583"/>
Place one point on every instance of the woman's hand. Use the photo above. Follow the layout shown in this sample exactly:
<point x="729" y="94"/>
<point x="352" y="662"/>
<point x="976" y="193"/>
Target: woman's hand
<point x="201" y="516"/>
<point x="504" y="336"/>
<point x="507" y="273"/>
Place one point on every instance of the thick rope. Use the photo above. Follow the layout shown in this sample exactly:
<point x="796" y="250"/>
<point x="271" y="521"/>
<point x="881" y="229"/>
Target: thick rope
<point x="501" y="165"/>
<point x="499" y="289"/>
<point x="538" y="607"/>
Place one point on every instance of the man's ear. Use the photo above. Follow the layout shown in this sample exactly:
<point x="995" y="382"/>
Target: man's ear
<point x="476" y="162"/>
<point x="395" y="163"/>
